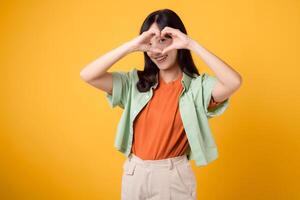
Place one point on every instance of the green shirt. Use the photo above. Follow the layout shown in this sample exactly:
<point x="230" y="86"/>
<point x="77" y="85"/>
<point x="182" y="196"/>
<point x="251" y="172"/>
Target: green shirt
<point x="193" y="103"/>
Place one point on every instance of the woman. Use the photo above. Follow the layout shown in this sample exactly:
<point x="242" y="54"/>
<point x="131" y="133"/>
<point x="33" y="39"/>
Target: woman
<point x="166" y="106"/>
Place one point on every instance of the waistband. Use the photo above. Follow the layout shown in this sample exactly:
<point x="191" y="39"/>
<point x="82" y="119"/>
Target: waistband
<point x="161" y="163"/>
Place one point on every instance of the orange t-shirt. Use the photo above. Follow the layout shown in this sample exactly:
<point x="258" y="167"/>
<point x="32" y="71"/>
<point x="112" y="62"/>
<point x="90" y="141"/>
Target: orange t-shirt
<point x="158" y="128"/>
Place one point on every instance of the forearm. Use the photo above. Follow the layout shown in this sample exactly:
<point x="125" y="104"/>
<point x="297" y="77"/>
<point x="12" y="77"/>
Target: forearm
<point x="99" y="66"/>
<point x="224" y="73"/>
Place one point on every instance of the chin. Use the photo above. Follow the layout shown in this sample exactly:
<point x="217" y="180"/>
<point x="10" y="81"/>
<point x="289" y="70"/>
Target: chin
<point x="164" y="66"/>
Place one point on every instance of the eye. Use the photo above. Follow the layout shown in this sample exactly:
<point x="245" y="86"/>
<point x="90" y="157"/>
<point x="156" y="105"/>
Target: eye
<point x="161" y="40"/>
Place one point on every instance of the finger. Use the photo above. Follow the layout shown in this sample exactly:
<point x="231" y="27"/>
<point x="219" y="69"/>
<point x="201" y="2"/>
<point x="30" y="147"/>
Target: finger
<point x="149" y="34"/>
<point x="168" y="31"/>
<point x="167" y="34"/>
<point x="153" y="31"/>
<point x="147" y="48"/>
<point x="169" y="48"/>
<point x="157" y="32"/>
<point x="156" y="50"/>
<point x="152" y="50"/>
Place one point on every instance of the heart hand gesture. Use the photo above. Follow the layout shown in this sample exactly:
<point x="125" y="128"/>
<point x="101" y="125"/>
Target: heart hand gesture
<point x="142" y="42"/>
<point x="179" y="39"/>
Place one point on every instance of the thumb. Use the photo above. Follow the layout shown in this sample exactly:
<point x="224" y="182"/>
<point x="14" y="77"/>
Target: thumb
<point x="156" y="50"/>
<point x="166" y="50"/>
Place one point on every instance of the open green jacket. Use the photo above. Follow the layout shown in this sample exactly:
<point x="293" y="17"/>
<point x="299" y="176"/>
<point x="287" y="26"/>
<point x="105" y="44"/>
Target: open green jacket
<point x="193" y="103"/>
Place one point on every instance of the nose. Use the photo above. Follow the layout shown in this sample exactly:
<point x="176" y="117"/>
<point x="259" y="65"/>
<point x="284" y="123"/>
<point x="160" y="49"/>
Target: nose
<point x="158" y="44"/>
<point x="156" y="53"/>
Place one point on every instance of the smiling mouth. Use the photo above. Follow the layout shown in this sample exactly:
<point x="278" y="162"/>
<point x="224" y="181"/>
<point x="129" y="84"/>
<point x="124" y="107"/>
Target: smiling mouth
<point x="161" y="58"/>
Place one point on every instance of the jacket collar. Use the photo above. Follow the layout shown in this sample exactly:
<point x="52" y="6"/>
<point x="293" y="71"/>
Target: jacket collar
<point x="185" y="81"/>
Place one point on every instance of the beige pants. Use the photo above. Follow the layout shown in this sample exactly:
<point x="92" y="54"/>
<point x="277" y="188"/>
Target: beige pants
<point x="165" y="179"/>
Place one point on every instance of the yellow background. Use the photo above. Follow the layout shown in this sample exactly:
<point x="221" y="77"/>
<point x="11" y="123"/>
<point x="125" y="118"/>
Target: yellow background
<point x="57" y="132"/>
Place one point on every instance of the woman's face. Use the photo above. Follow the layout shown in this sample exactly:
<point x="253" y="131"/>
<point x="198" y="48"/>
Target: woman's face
<point x="162" y="61"/>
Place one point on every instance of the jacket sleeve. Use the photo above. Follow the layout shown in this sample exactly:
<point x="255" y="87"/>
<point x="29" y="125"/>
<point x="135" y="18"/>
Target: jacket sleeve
<point x="208" y="83"/>
<point x="121" y="86"/>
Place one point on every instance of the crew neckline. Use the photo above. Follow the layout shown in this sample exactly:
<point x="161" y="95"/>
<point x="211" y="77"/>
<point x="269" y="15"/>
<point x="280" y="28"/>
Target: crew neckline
<point x="173" y="82"/>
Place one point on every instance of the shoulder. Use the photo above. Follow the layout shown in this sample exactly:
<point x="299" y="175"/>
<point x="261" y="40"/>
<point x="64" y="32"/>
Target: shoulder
<point x="203" y="80"/>
<point x="133" y="74"/>
<point x="202" y="83"/>
<point x="197" y="81"/>
<point x="125" y="75"/>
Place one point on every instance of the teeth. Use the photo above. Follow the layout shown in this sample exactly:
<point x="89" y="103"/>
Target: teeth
<point x="161" y="58"/>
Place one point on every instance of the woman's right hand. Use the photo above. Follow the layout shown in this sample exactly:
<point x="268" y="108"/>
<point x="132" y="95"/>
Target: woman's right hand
<point x="142" y="42"/>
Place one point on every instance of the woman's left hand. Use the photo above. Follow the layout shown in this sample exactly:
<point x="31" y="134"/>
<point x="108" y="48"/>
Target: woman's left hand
<point x="179" y="39"/>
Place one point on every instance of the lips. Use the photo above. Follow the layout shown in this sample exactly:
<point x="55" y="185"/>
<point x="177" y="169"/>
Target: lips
<point x="161" y="58"/>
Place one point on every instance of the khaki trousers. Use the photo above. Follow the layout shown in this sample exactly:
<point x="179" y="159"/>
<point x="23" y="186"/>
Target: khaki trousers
<point x="165" y="179"/>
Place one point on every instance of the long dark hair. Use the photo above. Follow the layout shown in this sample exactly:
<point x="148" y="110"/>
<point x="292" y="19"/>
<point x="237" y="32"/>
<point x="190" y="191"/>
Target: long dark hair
<point x="163" y="18"/>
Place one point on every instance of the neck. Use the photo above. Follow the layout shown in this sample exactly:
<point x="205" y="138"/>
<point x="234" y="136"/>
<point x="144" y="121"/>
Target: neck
<point x="170" y="74"/>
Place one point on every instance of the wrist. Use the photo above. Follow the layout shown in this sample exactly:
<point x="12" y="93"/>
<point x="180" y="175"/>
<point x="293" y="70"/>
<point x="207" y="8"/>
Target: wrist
<point x="130" y="47"/>
<point x="192" y="44"/>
